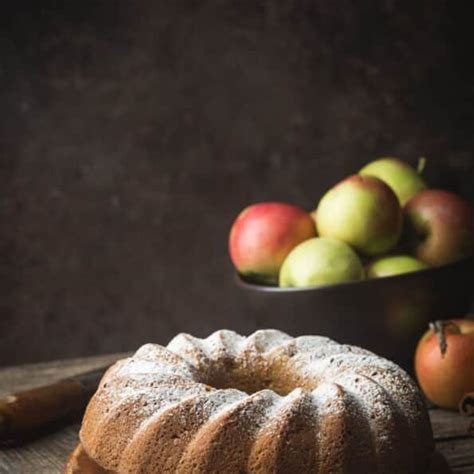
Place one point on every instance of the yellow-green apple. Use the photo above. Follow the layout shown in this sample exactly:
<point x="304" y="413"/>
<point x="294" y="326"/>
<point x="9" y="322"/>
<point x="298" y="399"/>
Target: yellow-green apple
<point x="363" y="212"/>
<point x="444" y="361"/>
<point x="394" y="265"/>
<point x="439" y="227"/>
<point x="320" y="261"/>
<point x="400" y="176"/>
<point x="262" y="236"/>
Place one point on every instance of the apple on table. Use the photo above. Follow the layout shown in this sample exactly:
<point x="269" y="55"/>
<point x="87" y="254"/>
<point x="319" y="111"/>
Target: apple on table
<point x="444" y="362"/>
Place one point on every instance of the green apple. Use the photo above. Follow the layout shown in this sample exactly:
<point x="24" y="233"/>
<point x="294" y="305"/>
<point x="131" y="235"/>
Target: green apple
<point x="394" y="265"/>
<point x="400" y="176"/>
<point x="363" y="212"/>
<point x="320" y="261"/>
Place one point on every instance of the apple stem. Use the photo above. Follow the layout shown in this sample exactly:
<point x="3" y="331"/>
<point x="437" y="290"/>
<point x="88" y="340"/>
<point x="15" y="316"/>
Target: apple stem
<point x="421" y="165"/>
<point x="438" y="328"/>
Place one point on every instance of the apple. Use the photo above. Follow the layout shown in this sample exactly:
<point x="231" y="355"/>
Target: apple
<point x="444" y="361"/>
<point x="400" y="176"/>
<point x="394" y="265"/>
<point x="320" y="261"/>
<point x="439" y="227"/>
<point x="363" y="212"/>
<point x="262" y="236"/>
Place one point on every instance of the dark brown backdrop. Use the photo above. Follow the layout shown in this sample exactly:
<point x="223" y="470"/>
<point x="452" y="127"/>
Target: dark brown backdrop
<point x="132" y="133"/>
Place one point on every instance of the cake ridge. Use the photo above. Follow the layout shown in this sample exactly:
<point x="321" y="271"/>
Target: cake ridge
<point x="384" y="424"/>
<point x="203" y="406"/>
<point x="211" y="436"/>
<point x="221" y="342"/>
<point x="272" y="437"/>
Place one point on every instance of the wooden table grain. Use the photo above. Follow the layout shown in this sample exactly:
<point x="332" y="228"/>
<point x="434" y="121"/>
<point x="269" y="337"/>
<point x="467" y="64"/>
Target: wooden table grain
<point x="454" y="435"/>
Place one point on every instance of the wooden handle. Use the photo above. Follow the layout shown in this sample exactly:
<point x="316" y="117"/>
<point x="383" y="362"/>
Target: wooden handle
<point x="23" y="414"/>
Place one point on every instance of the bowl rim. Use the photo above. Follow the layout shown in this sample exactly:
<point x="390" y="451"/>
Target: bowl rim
<point x="243" y="283"/>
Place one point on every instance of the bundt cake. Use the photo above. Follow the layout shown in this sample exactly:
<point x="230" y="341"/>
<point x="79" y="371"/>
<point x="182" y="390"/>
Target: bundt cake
<point x="267" y="403"/>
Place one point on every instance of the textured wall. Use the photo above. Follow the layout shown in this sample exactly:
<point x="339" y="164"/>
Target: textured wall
<point x="132" y="133"/>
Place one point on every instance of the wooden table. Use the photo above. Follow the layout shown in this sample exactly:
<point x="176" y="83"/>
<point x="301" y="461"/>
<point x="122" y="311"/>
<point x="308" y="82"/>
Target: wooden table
<point x="454" y="434"/>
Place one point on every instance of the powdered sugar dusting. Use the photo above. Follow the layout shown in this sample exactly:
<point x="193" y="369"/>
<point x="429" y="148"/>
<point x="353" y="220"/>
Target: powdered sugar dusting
<point x="189" y="348"/>
<point x="327" y="397"/>
<point x="347" y="381"/>
<point x="265" y="340"/>
<point x="223" y="344"/>
<point x="310" y="343"/>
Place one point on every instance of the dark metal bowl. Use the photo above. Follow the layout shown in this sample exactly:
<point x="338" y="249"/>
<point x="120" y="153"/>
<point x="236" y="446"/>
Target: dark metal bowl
<point x="386" y="315"/>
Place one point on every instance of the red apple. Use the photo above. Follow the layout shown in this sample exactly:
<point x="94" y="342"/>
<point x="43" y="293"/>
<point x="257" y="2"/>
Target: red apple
<point x="445" y="370"/>
<point x="264" y="234"/>
<point x="363" y="212"/>
<point x="439" y="227"/>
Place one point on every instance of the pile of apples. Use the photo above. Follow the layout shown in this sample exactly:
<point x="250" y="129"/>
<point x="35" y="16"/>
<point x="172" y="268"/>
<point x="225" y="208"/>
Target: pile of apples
<point x="380" y="222"/>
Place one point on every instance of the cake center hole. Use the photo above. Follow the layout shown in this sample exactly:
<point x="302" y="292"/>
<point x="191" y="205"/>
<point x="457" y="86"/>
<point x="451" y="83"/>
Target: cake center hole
<point x="248" y="380"/>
